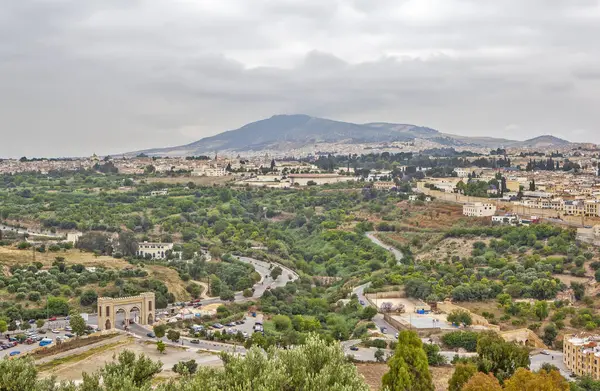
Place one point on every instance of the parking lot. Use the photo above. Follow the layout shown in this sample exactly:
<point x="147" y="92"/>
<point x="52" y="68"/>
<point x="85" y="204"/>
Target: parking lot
<point x="23" y="347"/>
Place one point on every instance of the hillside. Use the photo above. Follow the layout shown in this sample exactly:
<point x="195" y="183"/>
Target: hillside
<point x="284" y="132"/>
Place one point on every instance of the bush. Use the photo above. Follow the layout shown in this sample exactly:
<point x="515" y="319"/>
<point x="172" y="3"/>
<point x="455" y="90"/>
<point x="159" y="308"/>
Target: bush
<point x="461" y="339"/>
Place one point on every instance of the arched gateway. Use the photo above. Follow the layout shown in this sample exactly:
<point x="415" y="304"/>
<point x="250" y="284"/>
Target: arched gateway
<point x="142" y="307"/>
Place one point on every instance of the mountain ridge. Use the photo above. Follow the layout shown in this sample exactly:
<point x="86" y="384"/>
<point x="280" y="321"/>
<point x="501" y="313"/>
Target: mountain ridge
<point x="299" y="130"/>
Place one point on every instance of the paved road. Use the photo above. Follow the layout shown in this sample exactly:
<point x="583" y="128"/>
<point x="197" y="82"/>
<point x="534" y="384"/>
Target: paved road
<point x="359" y="291"/>
<point x="262" y="268"/>
<point x="396" y="252"/>
<point x="141" y="332"/>
<point x="553" y="357"/>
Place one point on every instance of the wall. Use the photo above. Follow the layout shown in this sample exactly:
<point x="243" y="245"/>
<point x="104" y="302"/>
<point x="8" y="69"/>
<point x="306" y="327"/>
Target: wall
<point x="522" y="336"/>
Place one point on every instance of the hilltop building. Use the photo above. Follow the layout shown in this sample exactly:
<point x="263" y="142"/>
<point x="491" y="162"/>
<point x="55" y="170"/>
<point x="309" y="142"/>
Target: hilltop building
<point x="154" y="250"/>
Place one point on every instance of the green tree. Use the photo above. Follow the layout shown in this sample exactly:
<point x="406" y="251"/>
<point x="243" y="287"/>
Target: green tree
<point x="25" y="326"/>
<point x="3" y="326"/>
<point x="88" y="298"/>
<point x="282" y="322"/>
<point x="460" y="377"/>
<point x="541" y="310"/>
<point x="173" y="335"/>
<point x="368" y="313"/>
<point x="21" y="375"/>
<point x="77" y="323"/>
<point x="276" y="272"/>
<point x="434" y="358"/>
<point x="460" y="317"/>
<point x="159" y="330"/>
<point x="127" y="372"/>
<point x="550" y="333"/>
<point x="161" y="347"/>
<point x="500" y="357"/>
<point x="57" y="306"/>
<point x="409" y="370"/>
<point x="380" y="355"/>
<point x="40" y="323"/>
<point x="313" y="366"/>
<point x="578" y="290"/>
<point x="186" y="367"/>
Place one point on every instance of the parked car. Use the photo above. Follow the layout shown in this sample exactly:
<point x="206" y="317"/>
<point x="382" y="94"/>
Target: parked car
<point x="354" y="348"/>
<point x="31" y="321"/>
<point x="69" y="335"/>
<point x="56" y="331"/>
<point x="15" y="353"/>
<point x="217" y="326"/>
<point x="362" y="302"/>
<point x="151" y="335"/>
<point x="196" y="341"/>
<point x="68" y="328"/>
<point x="45" y="341"/>
<point x="230" y="324"/>
<point x="52" y="319"/>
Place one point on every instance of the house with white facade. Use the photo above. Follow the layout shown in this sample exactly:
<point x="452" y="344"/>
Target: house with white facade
<point x="479" y="209"/>
<point x="154" y="250"/>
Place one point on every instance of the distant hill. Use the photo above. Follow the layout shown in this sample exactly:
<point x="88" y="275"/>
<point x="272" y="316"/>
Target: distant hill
<point x="299" y="130"/>
<point x="543" y="141"/>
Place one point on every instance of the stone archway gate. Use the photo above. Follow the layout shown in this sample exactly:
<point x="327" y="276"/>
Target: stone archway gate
<point x="108" y="308"/>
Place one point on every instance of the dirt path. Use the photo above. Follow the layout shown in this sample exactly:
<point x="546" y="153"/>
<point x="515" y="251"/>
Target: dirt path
<point x="204" y="285"/>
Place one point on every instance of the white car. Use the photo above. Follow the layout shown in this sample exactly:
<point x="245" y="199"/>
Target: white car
<point x="56" y="331"/>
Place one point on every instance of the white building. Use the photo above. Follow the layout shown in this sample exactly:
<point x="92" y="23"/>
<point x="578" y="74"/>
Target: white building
<point x="479" y="209"/>
<point x="154" y="250"/>
<point x="162" y="192"/>
<point x="210" y="171"/>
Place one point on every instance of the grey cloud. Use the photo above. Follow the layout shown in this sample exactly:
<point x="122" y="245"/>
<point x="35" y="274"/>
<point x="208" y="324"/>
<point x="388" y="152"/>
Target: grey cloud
<point x="108" y="76"/>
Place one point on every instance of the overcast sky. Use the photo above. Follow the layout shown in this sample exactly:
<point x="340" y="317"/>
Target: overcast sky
<point x="108" y="76"/>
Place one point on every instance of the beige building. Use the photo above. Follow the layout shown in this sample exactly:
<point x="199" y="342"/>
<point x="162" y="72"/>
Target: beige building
<point x="479" y="209"/>
<point x="154" y="250"/>
<point x="582" y="355"/>
<point x="384" y="185"/>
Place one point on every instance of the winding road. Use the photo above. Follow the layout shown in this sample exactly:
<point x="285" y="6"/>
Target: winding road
<point x="399" y="256"/>
<point x="359" y="291"/>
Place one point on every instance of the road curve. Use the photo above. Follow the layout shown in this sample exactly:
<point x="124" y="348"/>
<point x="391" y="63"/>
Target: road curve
<point x="398" y="254"/>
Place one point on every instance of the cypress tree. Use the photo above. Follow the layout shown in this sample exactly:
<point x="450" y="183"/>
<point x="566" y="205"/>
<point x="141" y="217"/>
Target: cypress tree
<point x="409" y="370"/>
